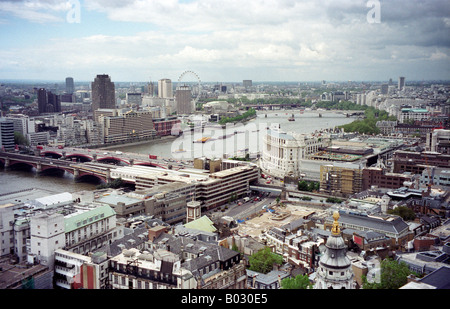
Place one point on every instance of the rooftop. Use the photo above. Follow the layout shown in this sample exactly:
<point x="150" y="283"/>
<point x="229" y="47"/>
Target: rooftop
<point x="268" y="278"/>
<point x="203" y="224"/>
<point x="380" y="223"/>
<point x="114" y="199"/>
<point x="79" y="219"/>
<point x="414" y="110"/>
<point x="439" y="278"/>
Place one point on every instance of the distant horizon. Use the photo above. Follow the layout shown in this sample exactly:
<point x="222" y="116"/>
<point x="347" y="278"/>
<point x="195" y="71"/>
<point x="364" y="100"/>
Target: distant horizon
<point x="4" y="80"/>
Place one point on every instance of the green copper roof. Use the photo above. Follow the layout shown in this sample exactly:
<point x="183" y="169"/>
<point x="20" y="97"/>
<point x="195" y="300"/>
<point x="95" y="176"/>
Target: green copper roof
<point x="414" y="110"/>
<point x="202" y="224"/>
<point x="91" y="216"/>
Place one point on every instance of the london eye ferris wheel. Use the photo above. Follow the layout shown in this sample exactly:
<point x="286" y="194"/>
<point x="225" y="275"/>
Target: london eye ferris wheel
<point x="192" y="80"/>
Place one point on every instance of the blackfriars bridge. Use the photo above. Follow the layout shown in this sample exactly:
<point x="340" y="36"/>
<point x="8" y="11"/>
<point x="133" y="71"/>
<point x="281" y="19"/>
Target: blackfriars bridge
<point x="83" y="162"/>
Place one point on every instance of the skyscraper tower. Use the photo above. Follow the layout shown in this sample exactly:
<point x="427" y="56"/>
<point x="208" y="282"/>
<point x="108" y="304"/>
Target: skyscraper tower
<point x="335" y="268"/>
<point x="401" y="83"/>
<point x="103" y="93"/>
<point x="53" y="103"/>
<point x="48" y="102"/>
<point x="42" y="100"/>
<point x="6" y="135"/>
<point x="165" y="88"/>
<point x="183" y="98"/>
<point x="151" y="89"/>
<point x="70" y="87"/>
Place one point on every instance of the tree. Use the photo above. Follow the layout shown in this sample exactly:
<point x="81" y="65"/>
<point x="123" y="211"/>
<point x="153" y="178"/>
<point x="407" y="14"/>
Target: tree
<point x="310" y="186"/>
<point x="234" y="247"/>
<point x="404" y="212"/>
<point x="302" y="185"/>
<point x="393" y="275"/>
<point x="116" y="183"/>
<point x="334" y="200"/>
<point x="368" y="125"/>
<point x="19" y="139"/>
<point x="298" y="282"/>
<point x="251" y="112"/>
<point x="263" y="260"/>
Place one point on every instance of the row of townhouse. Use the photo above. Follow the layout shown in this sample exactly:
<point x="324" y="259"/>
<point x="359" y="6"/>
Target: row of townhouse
<point x="298" y="247"/>
<point x="152" y="259"/>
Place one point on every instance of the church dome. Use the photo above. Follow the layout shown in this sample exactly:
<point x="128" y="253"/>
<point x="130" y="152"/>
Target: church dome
<point x="335" y="242"/>
<point x="335" y="269"/>
<point x="335" y="255"/>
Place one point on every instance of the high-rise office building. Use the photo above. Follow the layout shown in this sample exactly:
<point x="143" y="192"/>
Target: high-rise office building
<point x="6" y="134"/>
<point x="401" y="83"/>
<point x="165" y="88"/>
<point x="183" y="100"/>
<point x="132" y="125"/>
<point x="151" y="89"/>
<point x="247" y="83"/>
<point x="48" y="102"/>
<point x="70" y="87"/>
<point x="53" y="103"/>
<point x="42" y="100"/>
<point x="103" y="92"/>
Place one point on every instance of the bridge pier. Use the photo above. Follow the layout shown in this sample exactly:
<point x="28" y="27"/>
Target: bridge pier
<point x="7" y="162"/>
<point x="108" y="175"/>
<point x="94" y="158"/>
<point x="131" y="162"/>
<point x="76" y="173"/>
<point x="63" y="155"/>
<point x="38" y="167"/>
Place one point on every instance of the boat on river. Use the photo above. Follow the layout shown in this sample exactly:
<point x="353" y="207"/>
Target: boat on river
<point x="202" y="140"/>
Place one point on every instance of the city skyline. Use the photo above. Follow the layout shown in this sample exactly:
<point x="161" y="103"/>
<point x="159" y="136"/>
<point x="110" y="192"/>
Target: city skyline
<point x="278" y="41"/>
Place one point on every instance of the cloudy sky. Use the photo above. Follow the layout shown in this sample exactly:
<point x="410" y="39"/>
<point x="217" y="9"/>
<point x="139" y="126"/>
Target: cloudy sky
<point x="225" y="40"/>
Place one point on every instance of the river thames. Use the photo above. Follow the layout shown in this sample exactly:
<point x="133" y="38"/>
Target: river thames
<point x="236" y="139"/>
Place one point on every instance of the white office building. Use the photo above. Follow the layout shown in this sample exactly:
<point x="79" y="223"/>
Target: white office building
<point x="165" y="89"/>
<point x="82" y="231"/>
<point x="6" y="135"/>
<point x="408" y="114"/>
<point x="47" y="235"/>
<point x="283" y="152"/>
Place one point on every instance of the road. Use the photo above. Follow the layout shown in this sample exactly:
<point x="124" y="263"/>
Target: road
<point x="243" y="211"/>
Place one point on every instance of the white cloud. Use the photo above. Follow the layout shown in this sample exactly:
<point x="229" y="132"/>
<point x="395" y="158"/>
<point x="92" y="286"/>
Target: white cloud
<point x="439" y="55"/>
<point x="38" y="11"/>
<point x="297" y="40"/>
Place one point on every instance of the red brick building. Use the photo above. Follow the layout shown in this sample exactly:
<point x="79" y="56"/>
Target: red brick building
<point x="416" y="162"/>
<point x="374" y="176"/>
<point x="165" y="126"/>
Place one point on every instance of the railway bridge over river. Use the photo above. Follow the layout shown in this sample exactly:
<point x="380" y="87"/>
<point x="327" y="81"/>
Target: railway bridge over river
<point x="82" y="162"/>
